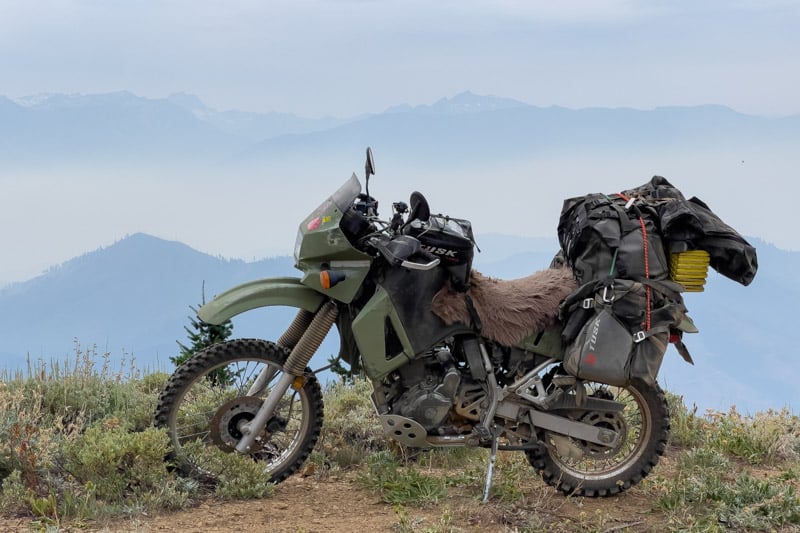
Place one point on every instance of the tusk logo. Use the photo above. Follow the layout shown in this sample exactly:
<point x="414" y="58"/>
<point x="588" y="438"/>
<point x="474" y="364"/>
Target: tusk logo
<point x="590" y="358"/>
<point x="593" y="336"/>
<point x="439" y="251"/>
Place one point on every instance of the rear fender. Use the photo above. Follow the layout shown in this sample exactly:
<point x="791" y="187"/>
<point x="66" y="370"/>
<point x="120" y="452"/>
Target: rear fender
<point x="266" y="292"/>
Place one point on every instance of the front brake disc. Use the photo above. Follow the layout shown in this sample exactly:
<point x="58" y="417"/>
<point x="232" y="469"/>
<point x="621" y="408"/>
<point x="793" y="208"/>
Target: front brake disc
<point x="226" y="425"/>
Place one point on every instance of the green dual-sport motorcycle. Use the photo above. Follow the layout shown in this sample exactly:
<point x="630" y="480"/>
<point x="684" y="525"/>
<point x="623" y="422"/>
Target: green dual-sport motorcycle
<point x="436" y="384"/>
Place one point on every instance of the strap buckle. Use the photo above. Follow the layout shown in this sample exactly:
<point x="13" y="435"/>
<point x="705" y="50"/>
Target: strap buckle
<point x="639" y="336"/>
<point x="606" y="298"/>
<point x="588" y="303"/>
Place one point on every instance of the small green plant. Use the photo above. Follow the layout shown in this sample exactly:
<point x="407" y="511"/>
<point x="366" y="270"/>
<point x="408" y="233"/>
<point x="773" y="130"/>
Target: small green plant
<point x="454" y="459"/>
<point x="686" y="428"/>
<point x="406" y="524"/>
<point x="201" y="336"/>
<point x="347" y="374"/>
<point x="401" y="485"/>
<point x="30" y="436"/>
<point x="409" y="525"/>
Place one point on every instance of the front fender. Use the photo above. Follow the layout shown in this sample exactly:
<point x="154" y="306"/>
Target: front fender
<point x="260" y="293"/>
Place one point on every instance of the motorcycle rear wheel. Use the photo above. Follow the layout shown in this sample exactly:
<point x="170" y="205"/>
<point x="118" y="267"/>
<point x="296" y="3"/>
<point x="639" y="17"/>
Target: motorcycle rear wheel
<point x="579" y="468"/>
<point x="205" y="402"/>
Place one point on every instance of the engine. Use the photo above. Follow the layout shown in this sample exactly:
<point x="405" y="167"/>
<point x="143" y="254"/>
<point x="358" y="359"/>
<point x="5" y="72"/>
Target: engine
<point x="426" y="389"/>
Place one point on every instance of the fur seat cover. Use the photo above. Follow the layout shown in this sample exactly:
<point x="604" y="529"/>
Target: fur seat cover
<point x="509" y="310"/>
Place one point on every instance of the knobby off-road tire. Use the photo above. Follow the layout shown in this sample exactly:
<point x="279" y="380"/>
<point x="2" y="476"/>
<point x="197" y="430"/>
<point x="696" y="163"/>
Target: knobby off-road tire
<point x="579" y="468"/>
<point x="205" y="401"/>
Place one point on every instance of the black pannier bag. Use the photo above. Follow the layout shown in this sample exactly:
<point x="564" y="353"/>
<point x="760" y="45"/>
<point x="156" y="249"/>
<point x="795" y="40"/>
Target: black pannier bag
<point x="613" y="335"/>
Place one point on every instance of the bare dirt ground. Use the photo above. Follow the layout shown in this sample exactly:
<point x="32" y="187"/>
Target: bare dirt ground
<point x="338" y="504"/>
<point x="310" y="506"/>
<point x="327" y="502"/>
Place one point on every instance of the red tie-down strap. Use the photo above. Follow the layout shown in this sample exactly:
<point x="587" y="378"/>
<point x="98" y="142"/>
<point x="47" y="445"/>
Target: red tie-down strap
<point x="647" y="323"/>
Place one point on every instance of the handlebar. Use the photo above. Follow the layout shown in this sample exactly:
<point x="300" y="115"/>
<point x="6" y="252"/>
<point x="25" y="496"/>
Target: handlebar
<point x="420" y="266"/>
<point x="407" y="246"/>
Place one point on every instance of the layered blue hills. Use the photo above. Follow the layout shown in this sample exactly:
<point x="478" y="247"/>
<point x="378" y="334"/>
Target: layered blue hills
<point x="52" y="129"/>
<point x="134" y="295"/>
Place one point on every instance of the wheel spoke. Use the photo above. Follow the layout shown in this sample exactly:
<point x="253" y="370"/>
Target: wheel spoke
<point x="205" y="408"/>
<point x="576" y="466"/>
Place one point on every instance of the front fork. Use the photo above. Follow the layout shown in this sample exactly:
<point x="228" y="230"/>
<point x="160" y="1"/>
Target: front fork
<point x="304" y="337"/>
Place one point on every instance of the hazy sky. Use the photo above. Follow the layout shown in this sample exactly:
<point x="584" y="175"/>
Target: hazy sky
<point x="346" y="57"/>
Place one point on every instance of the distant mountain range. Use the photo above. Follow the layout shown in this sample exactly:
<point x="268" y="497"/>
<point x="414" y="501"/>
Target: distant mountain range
<point x="503" y="163"/>
<point x="134" y="297"/>
<point x="53" y="129"/>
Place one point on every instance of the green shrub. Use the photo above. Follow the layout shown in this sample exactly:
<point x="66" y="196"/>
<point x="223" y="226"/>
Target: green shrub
<point x="351" y="430"/>
<point x="240" y="478"/>
<point x="752" y="503"/>
<point x="245" y="480"/>
<point x="764" y="438"/>
<point x="30" y="439"/>
<point x="704" y="496"/>
<point x="14" y="494"/>
<point x="118" y="463"/>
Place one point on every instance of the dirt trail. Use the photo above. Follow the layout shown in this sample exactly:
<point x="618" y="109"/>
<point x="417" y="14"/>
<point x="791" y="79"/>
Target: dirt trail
<point x="338" y="504"/>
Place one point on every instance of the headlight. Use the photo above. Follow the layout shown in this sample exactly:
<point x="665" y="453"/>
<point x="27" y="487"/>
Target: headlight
<point x="298" y="242"/>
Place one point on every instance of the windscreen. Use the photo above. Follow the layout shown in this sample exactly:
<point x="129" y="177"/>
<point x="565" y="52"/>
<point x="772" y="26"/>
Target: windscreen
<point x="347" y="193"/>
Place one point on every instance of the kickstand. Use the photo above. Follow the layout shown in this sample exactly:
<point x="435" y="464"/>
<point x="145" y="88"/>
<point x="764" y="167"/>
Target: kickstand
<point x="487" y="485"/>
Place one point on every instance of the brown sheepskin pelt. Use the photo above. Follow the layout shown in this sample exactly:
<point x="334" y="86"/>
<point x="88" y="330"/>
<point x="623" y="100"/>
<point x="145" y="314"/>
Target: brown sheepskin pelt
<point x="509" y="310"/>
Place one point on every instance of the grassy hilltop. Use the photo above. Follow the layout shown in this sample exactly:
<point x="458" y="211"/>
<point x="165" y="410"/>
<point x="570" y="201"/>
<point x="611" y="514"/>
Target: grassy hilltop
<point x="77" y="451"/>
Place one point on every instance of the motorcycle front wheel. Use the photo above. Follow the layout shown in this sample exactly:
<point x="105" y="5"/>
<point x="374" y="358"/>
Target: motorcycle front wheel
<point x="208" y="398"/>
<point x="582" y="468"/>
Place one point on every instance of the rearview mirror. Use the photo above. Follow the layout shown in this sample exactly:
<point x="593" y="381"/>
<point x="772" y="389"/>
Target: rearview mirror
<point x="369" y="168"/>
<point x="420" y="210"/>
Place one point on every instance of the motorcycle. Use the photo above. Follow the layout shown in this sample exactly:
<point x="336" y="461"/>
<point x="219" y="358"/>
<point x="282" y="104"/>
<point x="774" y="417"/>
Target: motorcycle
<point x="403" y="297"/>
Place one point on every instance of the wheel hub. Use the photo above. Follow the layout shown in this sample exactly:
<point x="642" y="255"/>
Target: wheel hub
<point x="611" y="421"/>
<point x="230" y="418"/>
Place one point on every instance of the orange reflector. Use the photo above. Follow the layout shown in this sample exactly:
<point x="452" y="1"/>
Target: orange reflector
<point x="298" y="382"/>
<point x="329" y="278"/>
<point x="325" y="279"/>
